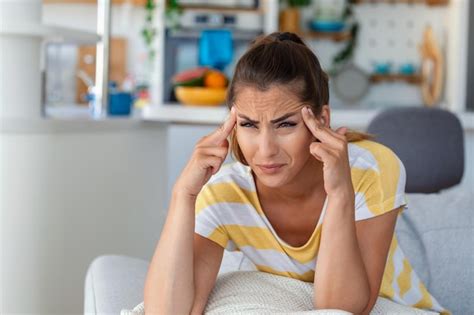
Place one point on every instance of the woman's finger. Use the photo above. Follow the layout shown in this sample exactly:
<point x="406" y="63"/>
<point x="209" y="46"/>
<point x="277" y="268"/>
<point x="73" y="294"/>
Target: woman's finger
<point x="321" y="151"/>
<point x="220" y="152"/>
<point x="221" y="133"/>
<point x="318" y="130"/>
<point x="341" y="131"/>
<point x="338" y="133"/>
<point x="212" y="162"/>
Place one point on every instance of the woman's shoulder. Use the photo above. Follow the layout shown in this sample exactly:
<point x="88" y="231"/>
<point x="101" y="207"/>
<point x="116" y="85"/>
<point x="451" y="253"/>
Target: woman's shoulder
<point x="233" y="173"/>
<point x="371" y="154"/>
<point x="232" y="183"/>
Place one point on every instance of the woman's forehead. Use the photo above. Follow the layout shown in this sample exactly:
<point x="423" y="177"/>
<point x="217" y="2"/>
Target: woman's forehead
<point x="275" y="100"/>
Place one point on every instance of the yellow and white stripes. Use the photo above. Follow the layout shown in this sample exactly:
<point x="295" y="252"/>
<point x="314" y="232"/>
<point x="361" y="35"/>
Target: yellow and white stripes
<point x="228" y="212"/>
<point x="402" y="285"/>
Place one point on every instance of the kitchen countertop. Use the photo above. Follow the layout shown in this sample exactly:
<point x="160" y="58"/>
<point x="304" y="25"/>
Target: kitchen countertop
<point x="75" y="117"/>
<point x="352" y="118"/>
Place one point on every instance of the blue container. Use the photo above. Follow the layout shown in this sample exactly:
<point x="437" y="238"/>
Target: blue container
<point x="120" y="104"/>
<point x="215" y="48"/>
<point x="382" y="67"/>
<point x="407" y="68"/>
<point x="326" y="26"/>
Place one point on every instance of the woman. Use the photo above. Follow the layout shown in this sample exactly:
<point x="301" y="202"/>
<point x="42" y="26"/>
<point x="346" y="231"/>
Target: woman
<point x="299" y="192"/>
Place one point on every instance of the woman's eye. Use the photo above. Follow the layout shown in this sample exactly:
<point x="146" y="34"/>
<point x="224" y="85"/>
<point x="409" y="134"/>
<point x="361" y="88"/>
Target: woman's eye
<point x="286" y="124"/>
<point x="247" y="124"/>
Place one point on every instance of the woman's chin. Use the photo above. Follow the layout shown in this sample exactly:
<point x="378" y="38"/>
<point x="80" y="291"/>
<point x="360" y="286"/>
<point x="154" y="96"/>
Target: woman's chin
<point x="271" y="181"/>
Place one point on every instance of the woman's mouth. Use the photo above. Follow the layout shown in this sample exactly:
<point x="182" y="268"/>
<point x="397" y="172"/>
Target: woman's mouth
<point x="270" y="168"/>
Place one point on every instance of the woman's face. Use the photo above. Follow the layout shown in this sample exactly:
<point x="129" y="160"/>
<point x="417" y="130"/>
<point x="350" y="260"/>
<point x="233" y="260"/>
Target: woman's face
<point x="272" y="135"/>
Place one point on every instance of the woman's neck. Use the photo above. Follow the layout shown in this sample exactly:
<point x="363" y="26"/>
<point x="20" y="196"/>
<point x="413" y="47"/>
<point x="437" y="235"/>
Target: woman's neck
<point x="303" y="186"/>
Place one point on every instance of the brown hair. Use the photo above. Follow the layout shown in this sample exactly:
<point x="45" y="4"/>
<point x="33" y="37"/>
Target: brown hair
<point x="282" y="58"/>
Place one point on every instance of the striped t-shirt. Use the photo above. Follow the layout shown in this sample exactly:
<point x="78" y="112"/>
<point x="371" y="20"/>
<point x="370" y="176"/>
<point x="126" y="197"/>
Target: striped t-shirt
<point x="229" y="213"/>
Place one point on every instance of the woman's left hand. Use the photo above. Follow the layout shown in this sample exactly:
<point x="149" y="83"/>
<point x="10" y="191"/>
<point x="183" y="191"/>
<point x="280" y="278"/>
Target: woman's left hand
<point x="332" y="151"/>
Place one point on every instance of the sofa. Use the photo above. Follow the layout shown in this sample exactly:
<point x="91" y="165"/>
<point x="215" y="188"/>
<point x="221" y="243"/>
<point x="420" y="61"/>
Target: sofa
<point x="436" y="232"/>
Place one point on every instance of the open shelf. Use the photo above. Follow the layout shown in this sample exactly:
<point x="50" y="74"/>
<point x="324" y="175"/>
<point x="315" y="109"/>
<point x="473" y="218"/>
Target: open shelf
<point x="334" y="36"/>
<point x="411" y="79"/>
<point x="428" y="2"/>
<point x="94" y="2"/>
<point x="221" y="9"/>
<point x="52" y="33"/>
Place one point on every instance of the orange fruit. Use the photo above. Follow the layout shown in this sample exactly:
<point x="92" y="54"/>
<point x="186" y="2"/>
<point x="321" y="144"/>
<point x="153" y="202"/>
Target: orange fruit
<point x="215" y="79"/>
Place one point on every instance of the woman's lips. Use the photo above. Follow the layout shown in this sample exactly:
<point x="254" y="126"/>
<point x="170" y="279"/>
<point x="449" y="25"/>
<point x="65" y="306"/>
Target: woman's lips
<point x="270" y="168"/>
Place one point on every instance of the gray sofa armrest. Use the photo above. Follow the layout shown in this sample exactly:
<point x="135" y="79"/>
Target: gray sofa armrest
<point x="436" y="233"/>
<point x="114" y="283"/>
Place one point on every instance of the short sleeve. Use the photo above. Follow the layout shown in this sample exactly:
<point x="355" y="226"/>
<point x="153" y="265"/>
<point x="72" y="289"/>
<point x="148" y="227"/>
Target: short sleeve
<point x="207" y="223"/>
<point x="381" y="187"/>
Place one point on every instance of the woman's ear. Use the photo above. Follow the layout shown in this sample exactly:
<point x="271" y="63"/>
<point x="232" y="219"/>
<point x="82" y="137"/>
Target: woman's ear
<point x="324" y="118"/>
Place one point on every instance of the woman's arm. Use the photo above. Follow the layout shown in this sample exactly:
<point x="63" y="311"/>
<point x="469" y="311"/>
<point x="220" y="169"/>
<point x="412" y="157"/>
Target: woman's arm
<point x="170" y="283"/>
<point x="375" y="236"/>
<point x="169" y="287"/>
<point x="341" y="280"/>
<point x="339" y="272"/>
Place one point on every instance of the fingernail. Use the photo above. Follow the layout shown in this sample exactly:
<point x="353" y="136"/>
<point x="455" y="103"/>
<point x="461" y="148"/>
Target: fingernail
<point x="310" y="111"/>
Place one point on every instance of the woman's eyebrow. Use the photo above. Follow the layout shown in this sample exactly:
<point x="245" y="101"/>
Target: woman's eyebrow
<point x="283" y="117"/>
<point x="246" y="118"/>
<point x="274" y="121"/>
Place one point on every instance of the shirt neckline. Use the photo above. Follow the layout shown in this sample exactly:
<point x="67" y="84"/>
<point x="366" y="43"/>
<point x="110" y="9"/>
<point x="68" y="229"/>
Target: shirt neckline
<point x="267" y="222"/>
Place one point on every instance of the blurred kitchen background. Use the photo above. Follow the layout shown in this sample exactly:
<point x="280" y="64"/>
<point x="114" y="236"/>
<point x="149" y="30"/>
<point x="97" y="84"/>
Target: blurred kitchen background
<point x="102" y="102"/>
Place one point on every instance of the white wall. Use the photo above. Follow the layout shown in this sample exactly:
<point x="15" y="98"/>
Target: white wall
<point x="68" y="195"/>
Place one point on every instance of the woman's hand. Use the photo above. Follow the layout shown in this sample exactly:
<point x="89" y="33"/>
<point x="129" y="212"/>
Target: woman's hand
<point x="332" y="151"/>
<point x="206" y="160"/>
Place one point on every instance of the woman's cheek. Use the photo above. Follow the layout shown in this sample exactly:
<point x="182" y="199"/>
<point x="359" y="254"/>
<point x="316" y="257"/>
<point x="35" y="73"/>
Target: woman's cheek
<point x="301" y="140"/>
<point x="244" y="138"/>
<point x="294" y="144"/>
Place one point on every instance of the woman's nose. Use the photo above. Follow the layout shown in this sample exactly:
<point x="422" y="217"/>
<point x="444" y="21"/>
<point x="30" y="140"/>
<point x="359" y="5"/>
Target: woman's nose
<point x="267" y="144"/>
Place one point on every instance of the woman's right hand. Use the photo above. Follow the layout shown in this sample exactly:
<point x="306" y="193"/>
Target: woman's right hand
<point x="206" y="159"/>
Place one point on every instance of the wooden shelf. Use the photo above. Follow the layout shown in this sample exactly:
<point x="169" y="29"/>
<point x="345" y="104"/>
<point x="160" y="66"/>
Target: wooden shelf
<point x="221" y="9"/>
<point x="134" y="2"/>
<point x="428" y="2"/>
<point x="411" y="79"/>
<point x="334" y="36"/>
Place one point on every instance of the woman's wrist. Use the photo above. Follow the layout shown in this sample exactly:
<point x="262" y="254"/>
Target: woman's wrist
<point x="343" y="193"/>
<point x="181" y="193"/>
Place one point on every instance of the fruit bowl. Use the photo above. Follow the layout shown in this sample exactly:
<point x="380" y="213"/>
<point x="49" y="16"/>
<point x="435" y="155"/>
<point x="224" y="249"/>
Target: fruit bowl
<point x="200" y="96"/>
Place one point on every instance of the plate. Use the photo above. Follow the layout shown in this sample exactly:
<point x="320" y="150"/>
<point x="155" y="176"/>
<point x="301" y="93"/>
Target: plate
<point x="351" y="83"/>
